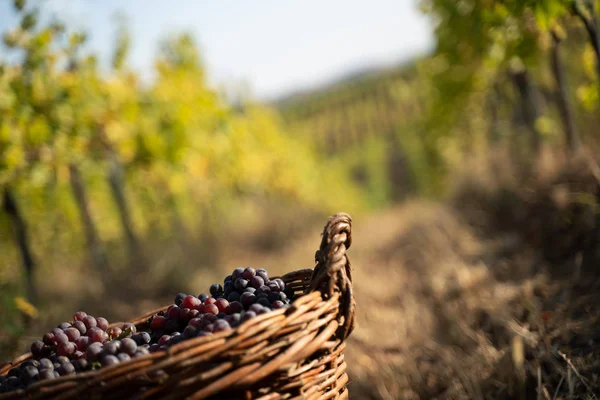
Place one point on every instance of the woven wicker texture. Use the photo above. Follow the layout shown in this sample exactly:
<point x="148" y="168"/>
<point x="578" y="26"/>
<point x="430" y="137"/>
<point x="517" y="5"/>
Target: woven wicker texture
<point x="291" y="353"/>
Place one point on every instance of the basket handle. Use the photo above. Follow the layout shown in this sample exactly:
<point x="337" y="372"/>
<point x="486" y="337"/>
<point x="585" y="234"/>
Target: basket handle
<point x="332" y="271"/>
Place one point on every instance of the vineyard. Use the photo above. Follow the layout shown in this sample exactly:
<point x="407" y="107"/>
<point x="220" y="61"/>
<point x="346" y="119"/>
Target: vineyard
<point x="471" y="173"/>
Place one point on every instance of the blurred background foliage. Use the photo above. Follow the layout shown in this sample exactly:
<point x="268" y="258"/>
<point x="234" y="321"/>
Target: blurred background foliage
<point x="132" y="185"/>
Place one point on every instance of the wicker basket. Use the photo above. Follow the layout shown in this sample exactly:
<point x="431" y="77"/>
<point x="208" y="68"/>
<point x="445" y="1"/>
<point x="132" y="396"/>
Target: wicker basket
<point x="290" y="353"/>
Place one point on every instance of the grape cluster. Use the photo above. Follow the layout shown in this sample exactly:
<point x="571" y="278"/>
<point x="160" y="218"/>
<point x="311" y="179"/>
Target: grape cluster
<point x="81" y="345"/>
<point x="244" y="294"/>
<point x="88" y="343"/>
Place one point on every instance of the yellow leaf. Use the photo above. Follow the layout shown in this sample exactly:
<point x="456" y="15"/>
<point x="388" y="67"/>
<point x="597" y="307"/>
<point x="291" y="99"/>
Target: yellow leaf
<point x="26" y="307"/>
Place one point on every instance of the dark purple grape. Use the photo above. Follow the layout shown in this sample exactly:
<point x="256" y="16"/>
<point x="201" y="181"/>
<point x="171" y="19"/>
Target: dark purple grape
<point x="227" y="279"/>
<point x="109" y="360"/>
<point x="179" y="298"/>
<point x="202" y="297"/>
<point x="237" y="273"/>
<point x="123" y="357"/>
<point x="261" y="296"/>
<point x="56" y="365"/>
<point x="80" y="364"/>
<point x="145" y="337"/>
<point x="66" y="369"/>
<point x="102" y="323"/>
<point x="250" y="289"/>
<point x="280" y="283"/>
<point x="240" y="284"/>
<point x="142" y="351"/>
<point x="277" y="304"/>
<point x="209" y="328"/>
<point x="263" y="289"/>
<point x="190" y="332"/>
<point x="80" y="326"/>
<point x="45" y="374"/>
<point x="12" y="381"/>
<point x="29" y="375"/>
<point x="72" y="333"/>
<point x="263" y="274"/>
<point x="61" y="338"/>
<point x="233" y="296"/>
<point x="154" y="347"/>
<point x="13" y="371"/>
<point x="221" y="315"/>
<point x="78" y="355"/>
<point x="46" y="364"/>
<point x="273" y="286"/>
<point x="228" y="288"/>
<point x="64" y="325"/>
<point x="264" y="310"/>
<point x="210" y="318"/>
<point x="164" y="339"/>
<point x="247" y="299"/>
<point x="249" y="273"/>
<point x="128" y="346"/>
<point x="216" y="289"/>
<point x="110" y="348"/>
<point x="79" y="316"/>
<point x="264" y="302"/>
<point x="221" y="325"/>
<point x="234" y="319"/>
<point x="93" y="351"/>
<point x="256" y="282"/>
<point x="172" y="325"/>
<point x="37" y="349"/>
<point x="255" y="307"/>
<point x="30" y="363"/>
<point x="273" y="297"/>
<point x="282" y="296"/>
<point x="90" y="322"/>
<point x="248" y="315"/>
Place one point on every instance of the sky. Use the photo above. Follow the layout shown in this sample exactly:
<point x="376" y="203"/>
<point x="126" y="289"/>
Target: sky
<point x="271" y="47"/>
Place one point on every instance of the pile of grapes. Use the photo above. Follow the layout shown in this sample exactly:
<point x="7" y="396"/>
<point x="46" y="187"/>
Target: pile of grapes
<point x="88" y="343"/>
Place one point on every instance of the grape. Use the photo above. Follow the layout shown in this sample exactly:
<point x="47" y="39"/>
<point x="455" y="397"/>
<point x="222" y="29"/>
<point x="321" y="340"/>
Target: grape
<point x="102" y="323"/>
<point x="227" y="279"/>
<point x="109" y="348"/>
<point x="29" y="375"/>
<point x="194" y="313"/>
<point x="234" y="319"/>
<point x="282" y="296"/>
<point x="264" y="310"/>
<point x="179" y="298"/>
<point x="202" y="297"/>
<point x="248" y="315"/>
<point x="240" y="284"/>
<point x="57" y="331"/>
<point x="233" y="296"/>
<point x="247" y="299"/>
<point x="250" y="289"/>
<point x="277" y="304"/>
<point x="256" y="282"/>
<point x="48" y="338"/>
<point x="97" y="335"/>
<point x="66" y="369"/>
<point x="222" y="305"/>
<point x="228" y="287"/>
<point x="37" y="348"/>
<point x="173" y="312"/>
<point x="123" y="357"/>
<point x="144" y="338"/>
<point x="216" y="289"/>
<point x="65" y="349"/>
<point x="61" y="338"/>
<point x="209" y="328"/>
<point x="263" y="274"/>
<point x="117" y="343"/>
<point x="129" y="326"/>
<point x="184" y="315"/>
<point x="273" y="286"/>
<point x="211" y="309"/>
<point x="264" y="302"/>
<point x="82" y="343"/>
<point x="255" y="307"/>
<point x="164" y="339"/>
<point x="46" y="364"/>
<point x="78" y="355"/>
<point x="79" y="316"/>
<point x="72" y="333"/>
<point x="30" y="363"/>
<point x="221" y="315"/>
<point x="237" y="273"/>
<point x="12" y="381"/>
<point x="80" y="326"/>
<point x="142" y="351"/>
<point x="172" y="325"/>
<point x="80" y="364"/>
<point x="263" y="289"/>
<point x="210" y="300"/>
<point x="249" y="273"/>
<point x="190" y="302"/>
<point x="190" y="332"/>
<point x="273" y="297"/>
<point x="221" y="325"/>
<point x="154" y="347"/>
<point x="46" y="374"/>
<point x="128" y="346"/>
<point x="195" y="322"/>
<point x="159" y="322"/>
<point x="64" y="325"/>
<point x="109" y="360"/>
<point x="114" y="332"/>
<point x="280" y="283"/>
<point x="90" y="322"/>
<point x="93" y="351"/>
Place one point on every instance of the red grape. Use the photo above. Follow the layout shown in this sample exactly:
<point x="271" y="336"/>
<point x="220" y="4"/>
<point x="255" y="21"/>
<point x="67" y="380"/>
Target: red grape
<point x="65" y="349"/>
<point x="82" y="343"/>
<point x="277" y="304"/>
<point x="210" y="300"/>
<point x="235" y="307"/>
<point x="73" y="334"/>
<point x="249" y="273"/>
<point x="211" y="309"/>
<point x="173" y="312"/>
<point x="158" y="323"/>
<point x="90" y="322"/>
<point x="97" y="335"/>
<point x="102" y="323"/>
<point x="114" y="332"/>
<point x="80" y="326"/>
<point x="190" y="302"/>
<point x="222" y="304"/>
<point x="79" y="316"/>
